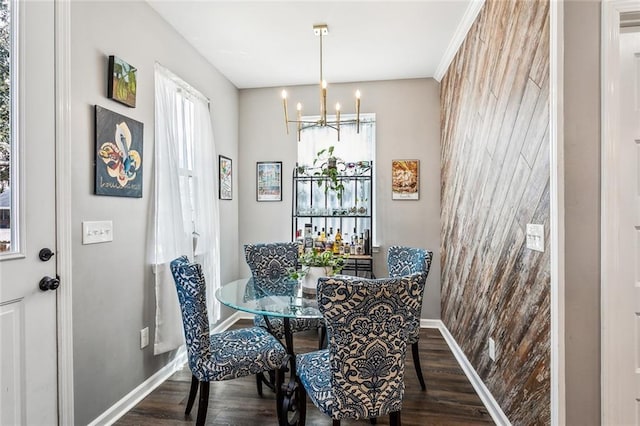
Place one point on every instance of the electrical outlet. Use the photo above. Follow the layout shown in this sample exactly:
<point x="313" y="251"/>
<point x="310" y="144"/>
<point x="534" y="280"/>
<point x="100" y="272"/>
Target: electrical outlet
<point x="492" y="349"/>
<point x="535" y="237"/>
<point x="144" y="337"/>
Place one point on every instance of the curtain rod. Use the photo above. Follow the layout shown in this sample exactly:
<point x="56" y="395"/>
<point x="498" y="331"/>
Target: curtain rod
<point x="181" y="83"/>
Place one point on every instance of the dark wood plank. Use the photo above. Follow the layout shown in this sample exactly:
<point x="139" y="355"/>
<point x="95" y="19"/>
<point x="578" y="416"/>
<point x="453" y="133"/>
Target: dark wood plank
<point x="449" y="400"/>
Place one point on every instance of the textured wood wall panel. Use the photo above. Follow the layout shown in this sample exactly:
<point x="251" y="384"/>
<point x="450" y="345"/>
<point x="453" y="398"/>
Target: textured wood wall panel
<point x="495" y="180"/>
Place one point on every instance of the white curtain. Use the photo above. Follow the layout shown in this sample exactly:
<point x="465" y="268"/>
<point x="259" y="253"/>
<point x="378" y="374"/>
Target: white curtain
<point x="186" y="216"/>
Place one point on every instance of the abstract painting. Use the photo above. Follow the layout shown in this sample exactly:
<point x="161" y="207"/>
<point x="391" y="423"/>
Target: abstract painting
<point x="118" y="159"/>
<point x="122" y="82"/>
<point x="269" y="181"/>
<point x="225" y="178"/>
<point x="405" y="179"/>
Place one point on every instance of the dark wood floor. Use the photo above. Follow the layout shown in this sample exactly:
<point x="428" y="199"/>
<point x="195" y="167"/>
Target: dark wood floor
<point x="449" y="399"/>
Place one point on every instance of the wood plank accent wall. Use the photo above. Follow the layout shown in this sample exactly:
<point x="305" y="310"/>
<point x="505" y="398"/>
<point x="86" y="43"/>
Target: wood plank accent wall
<point x="495" y="180"/>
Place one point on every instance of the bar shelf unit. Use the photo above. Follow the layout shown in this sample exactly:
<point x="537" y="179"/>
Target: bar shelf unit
<point x="322" y="208"/>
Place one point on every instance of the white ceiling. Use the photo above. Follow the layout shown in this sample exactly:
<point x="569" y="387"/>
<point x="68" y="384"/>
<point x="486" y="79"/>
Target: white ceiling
<point x="267" y="43"/>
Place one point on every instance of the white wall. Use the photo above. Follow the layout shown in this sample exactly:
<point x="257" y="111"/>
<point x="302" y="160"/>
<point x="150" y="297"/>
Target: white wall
<point x="113" y="293"/>
<point x="407" y="127"/>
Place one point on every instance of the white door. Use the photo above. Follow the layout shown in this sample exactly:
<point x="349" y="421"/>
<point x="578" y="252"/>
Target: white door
<point x="28" y="361"/>
<point x="628" y="196"/>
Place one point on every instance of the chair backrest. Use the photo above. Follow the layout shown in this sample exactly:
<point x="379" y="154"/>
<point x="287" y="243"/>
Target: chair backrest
<point x="405" y="261"/>
<point x="366" y="323"/>
<point x="271" y="260"/>
<point x="193" y="304"/>
<point x="408" y="260"/>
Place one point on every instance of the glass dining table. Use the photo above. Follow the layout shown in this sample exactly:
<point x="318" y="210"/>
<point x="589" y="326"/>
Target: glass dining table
<point x="280" y="297"/>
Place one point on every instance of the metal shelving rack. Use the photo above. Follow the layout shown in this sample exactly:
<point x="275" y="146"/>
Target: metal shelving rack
<point x="323" y="209"/>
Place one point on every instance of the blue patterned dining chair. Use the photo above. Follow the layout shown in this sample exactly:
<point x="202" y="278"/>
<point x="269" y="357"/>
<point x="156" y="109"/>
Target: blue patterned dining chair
<point x="272" y="261"/>
<point x="222" y="356"/>
<point x="404" y="261"/>
<point x="361" y="374"/>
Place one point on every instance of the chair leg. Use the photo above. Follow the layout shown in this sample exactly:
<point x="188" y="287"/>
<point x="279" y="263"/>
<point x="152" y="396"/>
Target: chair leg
<point x="416" y="362"/>
<point x="323" y="337"/>
<point x="301" y="404"/>
<point x="203" y="403"/>
<point x="394" y="419"/>
<point x="192" y="395"/>
<point x="336" y="422"/>
<point x="259" y="383"/>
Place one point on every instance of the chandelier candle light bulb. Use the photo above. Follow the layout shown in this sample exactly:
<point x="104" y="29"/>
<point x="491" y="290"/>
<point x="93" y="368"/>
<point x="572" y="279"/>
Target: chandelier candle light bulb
<point x="286" y="116"/>
<point x="357" y="111"/>
<point x="338" y="119"/>
<point x="299" y="109"/>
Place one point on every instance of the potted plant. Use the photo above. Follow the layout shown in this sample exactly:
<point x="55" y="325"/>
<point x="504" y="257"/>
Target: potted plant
<point x="330" y="168"/>
<point x="315" y="264"/>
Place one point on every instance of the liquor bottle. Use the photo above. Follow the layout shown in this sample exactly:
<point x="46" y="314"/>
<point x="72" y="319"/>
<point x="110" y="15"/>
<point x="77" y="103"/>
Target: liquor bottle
<point x="337" y="242"/>
<point x="367" y="242"/>
<point x="360" y="245"/>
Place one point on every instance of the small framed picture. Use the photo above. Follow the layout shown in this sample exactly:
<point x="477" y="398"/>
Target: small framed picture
<point x="405" y="179"/>
<point x="122" y="82"/>
<point x="269" y="181"/>
<point x="225" y="178"/>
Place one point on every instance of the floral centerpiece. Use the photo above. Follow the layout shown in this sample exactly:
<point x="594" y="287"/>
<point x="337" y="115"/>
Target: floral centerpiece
<point x="315" y="264"/>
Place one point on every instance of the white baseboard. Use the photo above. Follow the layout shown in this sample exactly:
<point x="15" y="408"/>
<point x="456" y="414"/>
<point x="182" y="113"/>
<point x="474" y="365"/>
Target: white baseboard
<point x="130" y="400"/>
<point x="487" y="399"/>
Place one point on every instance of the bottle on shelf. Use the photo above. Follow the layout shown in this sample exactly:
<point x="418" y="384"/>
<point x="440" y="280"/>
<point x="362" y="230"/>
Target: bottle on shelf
<point x="337" y="242"/>
<point x="359" y="245"/>
<point x="367" y="242"/>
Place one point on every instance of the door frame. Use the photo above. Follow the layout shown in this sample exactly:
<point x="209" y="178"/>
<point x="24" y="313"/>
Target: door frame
<point x="610" y="110"/>
<point x="556" y="214"/>
<point x="64" y="307"/>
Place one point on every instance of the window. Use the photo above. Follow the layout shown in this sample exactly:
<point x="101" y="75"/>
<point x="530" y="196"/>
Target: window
<point x="352" y="147"/>
<point x="8" y="142"/>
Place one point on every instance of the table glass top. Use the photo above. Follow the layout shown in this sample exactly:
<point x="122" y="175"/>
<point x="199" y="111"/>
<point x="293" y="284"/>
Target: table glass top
<point x="281" y="297"/>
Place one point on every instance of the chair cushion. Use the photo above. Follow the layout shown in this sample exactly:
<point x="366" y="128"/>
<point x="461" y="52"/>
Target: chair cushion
<point x="239" y="353"/>
<point x="405" y="261"/>
<point x="296" y="324"/>
<point x="314" y="373"/>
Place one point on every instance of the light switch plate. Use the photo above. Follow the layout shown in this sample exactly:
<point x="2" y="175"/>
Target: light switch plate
<point x="535" y="237"/>
<point x="97" y="232"/>
<point x="144" y="337"/>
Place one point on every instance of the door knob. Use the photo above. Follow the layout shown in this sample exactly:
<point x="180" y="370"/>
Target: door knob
<point x="48" y="283"/>
<point x="45" y="254"/>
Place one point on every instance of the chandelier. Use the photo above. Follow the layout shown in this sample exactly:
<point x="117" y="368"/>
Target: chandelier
<point x="320" y="31"/>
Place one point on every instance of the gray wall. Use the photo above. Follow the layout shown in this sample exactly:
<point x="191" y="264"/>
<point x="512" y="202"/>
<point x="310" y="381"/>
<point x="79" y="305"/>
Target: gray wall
<point x="582" y="210"/>
<point x="113" y="294"/>
<point x="407" y="127"/>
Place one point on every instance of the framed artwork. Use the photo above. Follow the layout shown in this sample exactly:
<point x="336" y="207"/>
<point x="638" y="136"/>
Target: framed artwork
<point x="118" y="159"/>
<point x="269" y="181"/>
<point x="224" y="178"/>
<point x="405" y="179"/>
<point x="122" y="83"/>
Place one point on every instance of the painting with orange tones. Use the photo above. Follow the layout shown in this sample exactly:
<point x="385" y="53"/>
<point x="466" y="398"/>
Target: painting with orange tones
<point x="405" y="179"/>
